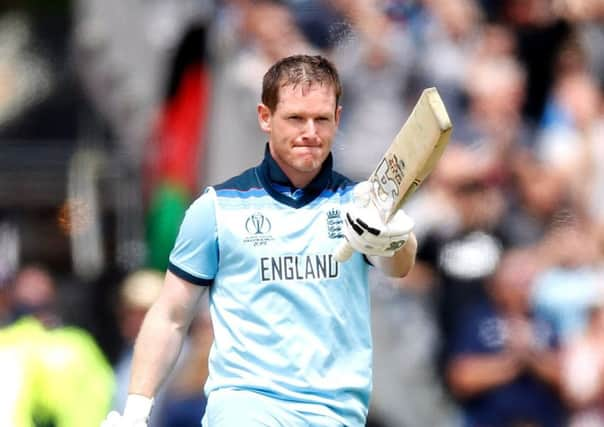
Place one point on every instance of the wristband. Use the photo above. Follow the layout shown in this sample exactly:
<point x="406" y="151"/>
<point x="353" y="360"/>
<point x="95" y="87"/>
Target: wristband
<point x="138" y="406"/>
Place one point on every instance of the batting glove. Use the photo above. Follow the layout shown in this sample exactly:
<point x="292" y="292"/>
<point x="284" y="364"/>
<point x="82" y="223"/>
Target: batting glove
<point x="136" y="413"/>
<point x="365" y="229"/>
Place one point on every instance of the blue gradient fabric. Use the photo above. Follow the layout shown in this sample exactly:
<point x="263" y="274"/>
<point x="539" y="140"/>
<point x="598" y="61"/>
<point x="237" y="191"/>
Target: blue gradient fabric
<point x="290" y="322"/>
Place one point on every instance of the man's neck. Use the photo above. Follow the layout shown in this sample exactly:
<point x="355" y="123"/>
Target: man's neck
<point x="298" y="179"/>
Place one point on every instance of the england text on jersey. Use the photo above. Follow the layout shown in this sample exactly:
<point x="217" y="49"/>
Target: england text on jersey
<point x="294" y="267"/>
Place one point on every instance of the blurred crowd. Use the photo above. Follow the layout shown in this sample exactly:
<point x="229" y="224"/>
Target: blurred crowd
<point x="501" y="322"/>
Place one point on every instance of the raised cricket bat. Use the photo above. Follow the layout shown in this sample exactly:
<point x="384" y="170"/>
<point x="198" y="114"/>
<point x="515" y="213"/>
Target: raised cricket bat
<point x="410" y="158"/>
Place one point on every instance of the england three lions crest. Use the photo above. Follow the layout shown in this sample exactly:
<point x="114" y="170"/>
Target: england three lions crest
<point x="334" y="224"/>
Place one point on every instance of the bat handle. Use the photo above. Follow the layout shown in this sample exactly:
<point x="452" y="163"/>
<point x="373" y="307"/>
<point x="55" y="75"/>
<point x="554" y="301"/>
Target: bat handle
<point x="343" y="252"/>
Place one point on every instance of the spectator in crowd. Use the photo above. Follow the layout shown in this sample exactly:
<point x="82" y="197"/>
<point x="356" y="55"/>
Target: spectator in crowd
<point x="583" y="369"/>
<point x="504" y="363"/>
<point x="572" y="275"/>
<point x="569" y="141"/>
<point x="52" y="374"/>
<point x="586" y="17"/>
<point x="462" y="249"/>
<point x="495" y="87"/>
<point x="537" y="197"/>
<point x="539" y="32"/>
<point x="447" y="33"/>
<point x="35" y="294"/>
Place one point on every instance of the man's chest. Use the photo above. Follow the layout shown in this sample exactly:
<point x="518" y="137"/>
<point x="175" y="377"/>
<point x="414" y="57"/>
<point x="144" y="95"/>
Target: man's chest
<point x="261" y="229"/>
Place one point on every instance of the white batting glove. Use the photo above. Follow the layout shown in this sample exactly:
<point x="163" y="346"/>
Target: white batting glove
<point x="365" y="229"/>
<point x="136" y="413"/>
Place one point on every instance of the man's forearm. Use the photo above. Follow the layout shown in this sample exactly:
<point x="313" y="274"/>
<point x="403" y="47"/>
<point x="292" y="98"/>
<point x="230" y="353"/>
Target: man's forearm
<point x="157" y="347"/>
<point x="401" y="262"/>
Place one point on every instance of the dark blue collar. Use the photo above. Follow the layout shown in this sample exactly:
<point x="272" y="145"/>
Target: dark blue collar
<point x="272" y="176"/>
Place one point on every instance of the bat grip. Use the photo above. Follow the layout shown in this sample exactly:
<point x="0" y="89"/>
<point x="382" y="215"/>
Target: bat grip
<point x="343" y="252"/>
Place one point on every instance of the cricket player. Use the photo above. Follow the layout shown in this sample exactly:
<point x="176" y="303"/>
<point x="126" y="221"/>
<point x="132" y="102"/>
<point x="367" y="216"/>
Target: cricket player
<point x="292" y="342"/>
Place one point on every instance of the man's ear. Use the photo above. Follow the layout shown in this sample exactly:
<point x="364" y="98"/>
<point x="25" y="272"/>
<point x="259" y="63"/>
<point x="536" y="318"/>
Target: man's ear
<point x="264" y="117"/>
<point x="338" y="114"/>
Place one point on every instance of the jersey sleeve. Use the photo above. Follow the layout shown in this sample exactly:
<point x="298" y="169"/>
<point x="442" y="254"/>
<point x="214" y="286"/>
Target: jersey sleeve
<point x="194" y="257"/>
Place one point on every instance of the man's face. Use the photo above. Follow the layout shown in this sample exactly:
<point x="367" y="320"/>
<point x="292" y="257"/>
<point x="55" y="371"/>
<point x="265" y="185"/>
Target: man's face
<point x="301" y="129"/>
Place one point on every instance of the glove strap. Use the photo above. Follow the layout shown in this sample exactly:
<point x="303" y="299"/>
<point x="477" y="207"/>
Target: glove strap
<point x="138" y="406"/>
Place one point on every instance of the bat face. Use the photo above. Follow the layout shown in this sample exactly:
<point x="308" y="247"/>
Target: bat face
<point x="413" y="153"/>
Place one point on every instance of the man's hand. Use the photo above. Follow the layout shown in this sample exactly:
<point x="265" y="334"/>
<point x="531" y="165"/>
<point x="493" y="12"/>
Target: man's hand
<point x="365" y="229"/>
<point x="136" y="413"/>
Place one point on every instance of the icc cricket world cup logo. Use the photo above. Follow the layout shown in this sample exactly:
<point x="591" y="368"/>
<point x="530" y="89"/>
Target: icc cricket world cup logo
<point x="257" y="224"/>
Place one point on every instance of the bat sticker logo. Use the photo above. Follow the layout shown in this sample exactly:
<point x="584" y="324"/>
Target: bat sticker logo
<point x="388" y="177"/>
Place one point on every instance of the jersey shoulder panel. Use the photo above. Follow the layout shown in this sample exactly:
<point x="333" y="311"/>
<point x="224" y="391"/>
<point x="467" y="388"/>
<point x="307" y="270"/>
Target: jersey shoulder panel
<point x="246" y="182"/>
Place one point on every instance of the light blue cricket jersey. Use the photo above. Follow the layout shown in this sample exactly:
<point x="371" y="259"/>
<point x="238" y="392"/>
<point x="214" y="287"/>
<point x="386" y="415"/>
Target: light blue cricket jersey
<point x="289" y="320"/>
